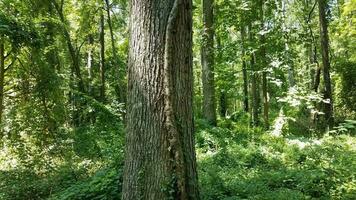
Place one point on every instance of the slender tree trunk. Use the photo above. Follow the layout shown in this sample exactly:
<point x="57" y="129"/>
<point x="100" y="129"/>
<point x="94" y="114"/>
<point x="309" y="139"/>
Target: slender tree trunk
<point x="223" y="93"/>
<point x="71" y="49"/>
<point x="160" y="155"/>
<point x="102" y="57"/>
<point x="107" y="3"/>
<point x="2" y="76"/>
<point x="264" y="73"/>
<point x="244" y="70"/>
<point x="223" y="103"/>
<point x="121" y="92"/>
<point x="324" y="41"/>
<point x="254" y="86"/>
<point x="207" y="58"/>
<point x="90" y="63"/>
<point x="286" y="48"/>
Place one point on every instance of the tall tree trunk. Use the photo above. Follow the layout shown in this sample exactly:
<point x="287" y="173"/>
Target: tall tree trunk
<point x="2" y="76"/>
<point x="107" y="3"/>
<point x="223" y="103"/>
<point x="160" y="156"/>
<point x="244" y="70"/>
<point x="264" y="73"/>
<point x="207" y="59"/>
<point x="102" y="58"/>
<point x="223" y="92"/>
<point x="254" y="85"/>
<point x="324" y="41"/>
<point x="121" y="92"/>
<point x="90" y="63"/>
<point x="71" y="49"/>
<point x="287" y="54"/>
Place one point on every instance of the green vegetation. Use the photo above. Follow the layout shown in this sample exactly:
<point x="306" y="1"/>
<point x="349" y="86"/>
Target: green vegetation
<point x="98" y="96"/>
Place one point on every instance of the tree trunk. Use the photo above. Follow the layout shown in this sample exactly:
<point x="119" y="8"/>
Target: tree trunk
<point x="121" y="93"/>
<point x="264" y="73"/>
<point x="160" y="156"/>
<point x="90" y="63"/>
<point x="324" y="41"/>
<point x="244" y="70"/>
<point x="207" y="59"/>
<point x="2" y="76"/>
<point x="287" y="53"/>
<point x="71" y="49"/>
<point x="223" y="103"/>
<point x="102" y="58"/>
<point x="107" y="3"/>
<point x="223" y="93"/>
<point x="254" y="86"/>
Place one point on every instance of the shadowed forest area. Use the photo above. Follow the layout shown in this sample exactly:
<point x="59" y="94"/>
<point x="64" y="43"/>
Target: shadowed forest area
<point x="177" y="99"/>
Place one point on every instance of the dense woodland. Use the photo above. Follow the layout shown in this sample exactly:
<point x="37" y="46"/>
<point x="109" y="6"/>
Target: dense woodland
<point x="177" y="99"/>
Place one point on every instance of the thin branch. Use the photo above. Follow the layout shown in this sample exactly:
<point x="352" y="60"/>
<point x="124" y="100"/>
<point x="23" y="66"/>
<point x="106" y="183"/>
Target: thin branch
<point x="8" y="54"/>
<point x="311" y="12"/>
<point x="62" y="3"/>
<point x="80" y="47"/>
<point x="9" y="66"/>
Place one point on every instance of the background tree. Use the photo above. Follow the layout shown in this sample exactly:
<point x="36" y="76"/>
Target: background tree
<point x="207" y="60"/>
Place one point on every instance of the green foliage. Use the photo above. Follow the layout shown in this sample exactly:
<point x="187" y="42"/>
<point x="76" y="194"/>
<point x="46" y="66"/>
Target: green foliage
<point x="347" y="87"/>
<point x="252" y="165"/>
<point x="104" y="185"/>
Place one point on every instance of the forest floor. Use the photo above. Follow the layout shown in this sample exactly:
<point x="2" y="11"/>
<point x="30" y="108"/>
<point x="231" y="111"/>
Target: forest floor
<point x="234" y="162"/>
<point x="242" y="163"/>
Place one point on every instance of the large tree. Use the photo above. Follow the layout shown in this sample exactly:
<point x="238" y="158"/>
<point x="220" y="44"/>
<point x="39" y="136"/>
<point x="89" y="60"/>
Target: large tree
<point x="160" y="156"/>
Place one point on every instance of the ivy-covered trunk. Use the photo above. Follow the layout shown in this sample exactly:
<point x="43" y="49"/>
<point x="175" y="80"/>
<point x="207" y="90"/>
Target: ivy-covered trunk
<point x="160" y="155"/>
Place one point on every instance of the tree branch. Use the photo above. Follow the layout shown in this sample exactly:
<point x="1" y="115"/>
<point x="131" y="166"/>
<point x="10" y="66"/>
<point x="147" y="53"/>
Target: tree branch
<point x="9" y="66"/>
<point x="8" y="54"/>
<point x="311" y="12"/>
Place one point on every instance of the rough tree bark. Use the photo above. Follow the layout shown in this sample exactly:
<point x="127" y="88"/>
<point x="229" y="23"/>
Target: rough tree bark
<point x="102" y="57"/>
<point x="160" y="156"/>
<point x="324" y="41"/>
<point x="244" y="70"/>
<point x="207" y="59"/>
